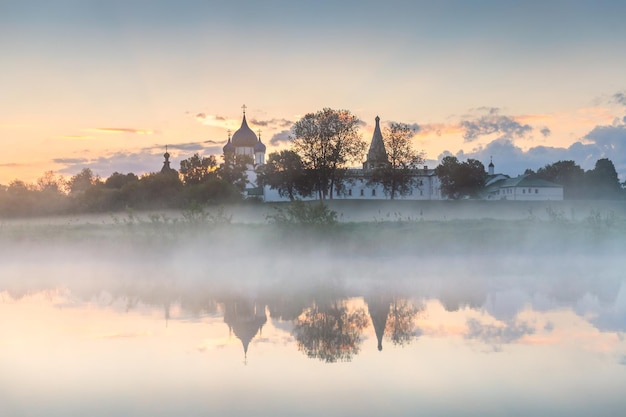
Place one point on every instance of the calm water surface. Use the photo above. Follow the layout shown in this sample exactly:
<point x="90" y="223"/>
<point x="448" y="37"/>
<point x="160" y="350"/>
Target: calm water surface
<point x="363" y="338"/>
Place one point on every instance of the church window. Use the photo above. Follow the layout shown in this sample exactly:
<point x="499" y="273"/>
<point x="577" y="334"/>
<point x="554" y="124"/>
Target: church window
<point x="373" y="193"/>
<point x="536" y="190"/>
<point x="524" y="191"/>
<point x="421" y="192"/>
<point x="350" y="192"/>
<point x="362" y="192"/>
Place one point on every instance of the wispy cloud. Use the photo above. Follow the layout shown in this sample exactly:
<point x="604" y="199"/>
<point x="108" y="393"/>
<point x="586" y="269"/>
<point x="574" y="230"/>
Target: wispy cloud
<point x="124" y="130"/>
<point x="274" y="123"/>
<point x="620" y="98"/>
<point x="545" y="131"/>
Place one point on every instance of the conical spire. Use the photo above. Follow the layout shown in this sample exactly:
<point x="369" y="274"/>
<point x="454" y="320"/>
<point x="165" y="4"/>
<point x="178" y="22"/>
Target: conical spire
<point x="377" y="154"/>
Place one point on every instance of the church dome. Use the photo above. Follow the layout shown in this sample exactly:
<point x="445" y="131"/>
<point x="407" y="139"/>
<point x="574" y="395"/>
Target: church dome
<point x="244" y="136"/>
<point x="229" y="147"/>
<point x="259" y="146"/>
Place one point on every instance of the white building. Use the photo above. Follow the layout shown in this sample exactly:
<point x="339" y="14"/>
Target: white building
<point x="522" y="188"/>
<point x="356" y="186"/>
<point x="426" y="185"/>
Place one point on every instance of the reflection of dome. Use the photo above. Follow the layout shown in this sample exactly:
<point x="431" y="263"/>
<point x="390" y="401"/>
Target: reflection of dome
<point x="259" y="146"/>
<point x="244" y="136"/>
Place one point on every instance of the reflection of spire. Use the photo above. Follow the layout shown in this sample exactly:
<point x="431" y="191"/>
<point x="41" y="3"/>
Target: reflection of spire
<point x="245" y="319"/>
<point x="378" y="308"/>
<point x="166" y="308"/>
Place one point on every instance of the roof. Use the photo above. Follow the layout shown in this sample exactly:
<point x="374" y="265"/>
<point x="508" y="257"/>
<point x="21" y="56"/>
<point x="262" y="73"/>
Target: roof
<point x="259" y="146"/>
<point x="244" y="136"/>
<point x="526" y="180"/>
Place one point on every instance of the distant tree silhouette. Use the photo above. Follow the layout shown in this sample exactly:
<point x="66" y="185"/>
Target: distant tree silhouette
<point x="565" y="173"/>
<point x="196" y="169"/>
<point x="461" y="179"/>
<point x="285" y="172"/>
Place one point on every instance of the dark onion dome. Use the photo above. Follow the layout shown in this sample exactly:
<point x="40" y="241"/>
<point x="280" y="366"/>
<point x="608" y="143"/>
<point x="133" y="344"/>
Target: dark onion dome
<point x="229" y="147"/>
<point x="244" y="136"/>
<point x="166" y="155"/>
<point x="259" y="147"/>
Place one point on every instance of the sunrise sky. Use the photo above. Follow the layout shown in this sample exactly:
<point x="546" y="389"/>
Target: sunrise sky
<point x="108" y="84"/>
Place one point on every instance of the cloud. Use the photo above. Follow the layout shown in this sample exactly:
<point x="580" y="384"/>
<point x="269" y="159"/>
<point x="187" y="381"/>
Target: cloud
<point x="211" y="119"/>
<point x="281" y="137"/>
<point x="545" y="131"/>
<point x="601" y="142"/>
<point x="69" y="160"/>
<point x="493" y="123"/>
<point x="146" y="160"/>
<point x="124" y="130"/>
<point x="619" y="98"/>
<point x="275" y="123"/>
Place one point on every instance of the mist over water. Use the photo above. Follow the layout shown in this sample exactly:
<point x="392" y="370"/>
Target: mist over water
<point x="161" y="315"/>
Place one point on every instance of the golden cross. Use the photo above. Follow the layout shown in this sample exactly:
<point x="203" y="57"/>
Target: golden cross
<point x="244" y="108"/>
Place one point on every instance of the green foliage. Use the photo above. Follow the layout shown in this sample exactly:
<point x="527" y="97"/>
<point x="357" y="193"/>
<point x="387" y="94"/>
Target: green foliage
<point x="461" y="179"/>
<point x="196" y="169"/>
<point x="285" y="172"/>
<point x="299" y="213"/>
<point x="233" y="170"/>
<point x="326" y="141"/>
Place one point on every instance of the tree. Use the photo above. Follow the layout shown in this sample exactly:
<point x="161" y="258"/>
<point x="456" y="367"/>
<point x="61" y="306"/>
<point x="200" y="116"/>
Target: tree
<point x="326" y="142"/>
<point x="398" y="176"/>
<point x="461" y="179"/>
<point x="117" y="180"/>
<point x="233" y="170"/>
<point x="566" y="173"/>
<point x="82" y="181"/>
<point x="284" y="171"/>
<point x="196" y="169"/>
<point x="602" y="181"/>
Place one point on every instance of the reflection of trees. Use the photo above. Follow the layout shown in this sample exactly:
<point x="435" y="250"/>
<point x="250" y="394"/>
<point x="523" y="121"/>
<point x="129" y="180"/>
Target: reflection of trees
<point x="401" y="328"/>
<point x="393" y="318"/>
<point x="330" y="333"/>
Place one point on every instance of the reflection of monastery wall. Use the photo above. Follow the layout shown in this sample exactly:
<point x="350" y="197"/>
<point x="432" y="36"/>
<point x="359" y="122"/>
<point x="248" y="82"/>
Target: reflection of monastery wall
<point x="426" y="184"/>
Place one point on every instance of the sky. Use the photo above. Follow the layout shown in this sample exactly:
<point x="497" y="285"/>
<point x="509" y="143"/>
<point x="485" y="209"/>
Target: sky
<point x="108" y="85"/>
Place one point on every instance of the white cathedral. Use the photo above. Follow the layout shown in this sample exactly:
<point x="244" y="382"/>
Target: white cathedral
<point x="426" y="185"/>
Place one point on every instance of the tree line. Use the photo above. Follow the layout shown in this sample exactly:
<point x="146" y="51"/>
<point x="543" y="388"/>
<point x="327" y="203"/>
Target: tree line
<point x="467" y="179"/>
<point x="323" y="146"/>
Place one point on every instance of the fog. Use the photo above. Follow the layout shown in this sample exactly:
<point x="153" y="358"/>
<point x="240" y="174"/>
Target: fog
<point x="491" y="281"/>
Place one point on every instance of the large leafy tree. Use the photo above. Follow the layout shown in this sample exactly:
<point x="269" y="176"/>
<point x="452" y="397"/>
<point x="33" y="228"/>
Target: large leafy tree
<point x="233" y="170"/>
<point x="284" y="171"/>
<point x="198" y="169"/>
<point x="327" y="141"/>
<point x="398" y="176"/>
<point x="602" y="181"/>
<point x="568" y="174"/>
<point x="461" y="179"/>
